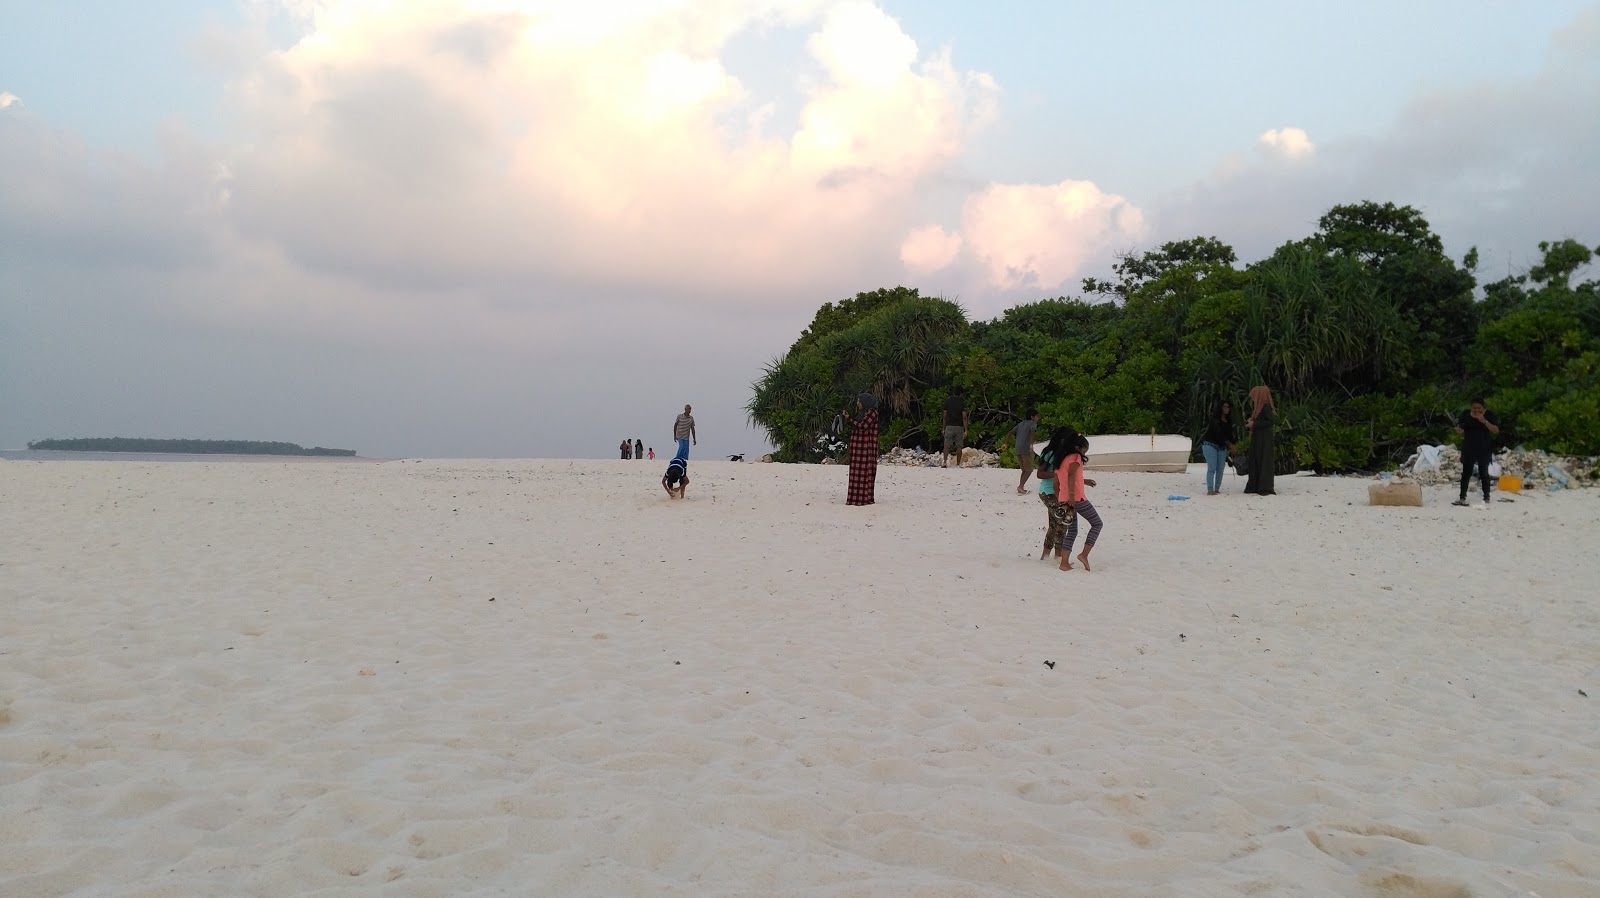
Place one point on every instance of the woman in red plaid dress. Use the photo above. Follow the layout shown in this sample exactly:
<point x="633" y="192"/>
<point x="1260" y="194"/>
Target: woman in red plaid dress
<point x="863" y="450"/>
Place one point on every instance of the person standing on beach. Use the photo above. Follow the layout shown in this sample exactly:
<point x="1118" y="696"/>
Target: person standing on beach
<point x="955" y="425"/>
<point x="652" y="453"/>
<point x="638" y="449"/>
<point x="1074" y="502"/>
<point x="1216" y="444"/>
<point x="683" y="432"/>
<point x="1262" y="460"/>
<point x="863" y="450"/>
<point x="1478" y="428"/>
<point x="1025" y="430"/>
<point x="627" y="450"/>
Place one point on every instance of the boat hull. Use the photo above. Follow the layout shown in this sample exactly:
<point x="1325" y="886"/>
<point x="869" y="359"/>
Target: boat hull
<point x="1163" y="453"/>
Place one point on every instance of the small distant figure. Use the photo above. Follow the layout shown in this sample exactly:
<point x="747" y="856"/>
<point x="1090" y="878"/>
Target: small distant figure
<point x="1261" y="462"/>
<point x="652" y="453"/>
<point x="683" y="432"/>
<point x="1025" y="430"/>
<point x="627" y="450"/>
<point x="676" y="480"/>
<point x="1217" y="444"/>
<point x="863" y="450"/>
<point x="736" y="458"/>
<point x="1478" y="427"/>
<point x="956" y="420"/>
<point x="1074" y="503"/>
<point x="638" y="449"/>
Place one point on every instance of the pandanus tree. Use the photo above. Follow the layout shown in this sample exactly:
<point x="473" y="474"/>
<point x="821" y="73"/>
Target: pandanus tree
<point x="894" y="344"/>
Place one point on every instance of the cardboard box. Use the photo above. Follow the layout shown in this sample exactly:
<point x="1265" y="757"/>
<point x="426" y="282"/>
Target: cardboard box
<point x="1397" y="494"/>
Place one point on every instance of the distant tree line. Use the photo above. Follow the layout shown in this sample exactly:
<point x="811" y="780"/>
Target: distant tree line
<point x="184" y="447"/>
<point x="1372" y="339"/>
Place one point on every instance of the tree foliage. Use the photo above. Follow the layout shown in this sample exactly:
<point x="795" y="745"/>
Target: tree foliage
<point x="895" y="344"/>
<point x="1369" y="335"/>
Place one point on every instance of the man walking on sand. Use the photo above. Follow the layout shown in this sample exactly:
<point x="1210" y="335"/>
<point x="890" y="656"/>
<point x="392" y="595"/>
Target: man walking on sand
<point x="1025" y="429"/>
<point x="1478" y="428"/>
<point x="683" y="432"/>
<point x="955" y="425"/>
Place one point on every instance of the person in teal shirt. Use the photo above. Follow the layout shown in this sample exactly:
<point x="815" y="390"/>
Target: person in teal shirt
<point x="1061" y="445"/>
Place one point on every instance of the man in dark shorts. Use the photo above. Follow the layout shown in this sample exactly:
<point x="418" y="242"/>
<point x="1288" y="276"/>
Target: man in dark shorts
<point x="1025" y="430"/>
<point x="676" y="480"/>
<point x="955" y="425"/>
<point x="1478" y="428"/>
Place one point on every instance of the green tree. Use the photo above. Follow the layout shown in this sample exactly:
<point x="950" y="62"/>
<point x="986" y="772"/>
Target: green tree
<point x="1408" y="266"/>
<point x="1539" y="358"/>
<point x="894" y="344"/>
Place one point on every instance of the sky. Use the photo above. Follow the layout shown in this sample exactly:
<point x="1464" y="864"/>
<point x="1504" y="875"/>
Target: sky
<point x="531" y="228"/>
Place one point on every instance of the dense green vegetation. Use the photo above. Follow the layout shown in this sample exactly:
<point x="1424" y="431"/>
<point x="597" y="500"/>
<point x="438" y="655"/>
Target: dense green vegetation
<point x="184" y="447"/>
<point x="1372" y="339"/>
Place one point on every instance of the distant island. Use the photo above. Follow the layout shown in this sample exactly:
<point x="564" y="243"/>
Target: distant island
<point x="184" y="447"/>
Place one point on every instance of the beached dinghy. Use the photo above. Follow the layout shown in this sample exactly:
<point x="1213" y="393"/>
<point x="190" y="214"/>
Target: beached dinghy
<point x="1155" y="453"/>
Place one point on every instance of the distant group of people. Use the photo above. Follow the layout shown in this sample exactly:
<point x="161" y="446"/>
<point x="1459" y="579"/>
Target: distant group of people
<point x="1060" y="465"/>
<point x="634" y="449"/>
<point x="1219" y="443"/>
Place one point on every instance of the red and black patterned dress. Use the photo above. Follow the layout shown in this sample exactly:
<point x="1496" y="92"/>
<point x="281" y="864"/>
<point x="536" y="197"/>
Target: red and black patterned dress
<point x="863" y="458"/>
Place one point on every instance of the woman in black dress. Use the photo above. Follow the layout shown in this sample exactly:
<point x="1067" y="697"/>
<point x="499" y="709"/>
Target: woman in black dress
<point x="1259" y="481"/>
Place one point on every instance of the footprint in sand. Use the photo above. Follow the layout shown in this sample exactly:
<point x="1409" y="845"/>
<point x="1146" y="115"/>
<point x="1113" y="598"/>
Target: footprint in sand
<point x="1375" y="850"/>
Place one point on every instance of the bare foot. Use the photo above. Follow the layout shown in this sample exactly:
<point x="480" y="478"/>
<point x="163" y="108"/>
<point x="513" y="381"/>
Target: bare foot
<point x="1021" y="491"/>
<point x="1066" y="563"/>
<point x="1084" y="557"/>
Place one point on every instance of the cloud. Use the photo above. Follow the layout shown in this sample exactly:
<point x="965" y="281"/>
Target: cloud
<point x="1288" y="143"/>
<point x="604" y="144"/>
<point x="1039" y="236"/>
<point x="512" y="154"/>
<point x="9" y="99"/>
<point x="928" y="249"/>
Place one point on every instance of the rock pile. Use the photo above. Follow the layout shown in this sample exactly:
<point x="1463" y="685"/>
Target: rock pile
<point x="1538" y="469"/>
<point x="919" y="458"/>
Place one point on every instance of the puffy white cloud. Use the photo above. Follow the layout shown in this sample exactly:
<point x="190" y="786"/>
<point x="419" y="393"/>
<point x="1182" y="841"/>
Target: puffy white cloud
<point x="928" y="249"/>
<point x="1288" y="143"/>
<point x="608" y="142"/>
<point x="8" y="99"/>
<point x="1040" y="235"/>
<point x="1026" y="237"/>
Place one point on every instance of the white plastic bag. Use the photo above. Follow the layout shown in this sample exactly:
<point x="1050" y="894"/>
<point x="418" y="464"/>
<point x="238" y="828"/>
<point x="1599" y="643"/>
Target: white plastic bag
<point x="1494" y="469"/>
<point x="1427" y="459"/>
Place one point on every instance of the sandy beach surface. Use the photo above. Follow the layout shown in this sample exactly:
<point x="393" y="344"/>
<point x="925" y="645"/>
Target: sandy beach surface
<point x="463" y="678"/>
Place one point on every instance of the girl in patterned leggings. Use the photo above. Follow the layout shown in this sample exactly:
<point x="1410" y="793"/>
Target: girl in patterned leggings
<point x="1070" y="485"/>
<point x="1062" y="440"/>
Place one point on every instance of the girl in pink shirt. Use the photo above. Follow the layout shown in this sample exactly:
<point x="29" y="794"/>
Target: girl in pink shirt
<point x="1073" y="502"/>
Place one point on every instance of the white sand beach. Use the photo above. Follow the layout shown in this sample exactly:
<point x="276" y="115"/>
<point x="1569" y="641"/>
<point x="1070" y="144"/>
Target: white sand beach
<point x="442" y="678"/>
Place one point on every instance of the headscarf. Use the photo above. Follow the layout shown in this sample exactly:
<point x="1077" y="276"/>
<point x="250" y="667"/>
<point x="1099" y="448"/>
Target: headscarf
<point x="868" y="401"/>
<point x="1260" y="397"/>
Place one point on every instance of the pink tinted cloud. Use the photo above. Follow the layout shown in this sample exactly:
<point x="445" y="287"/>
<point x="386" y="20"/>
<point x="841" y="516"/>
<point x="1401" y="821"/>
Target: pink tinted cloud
<point x="585" y="144"/>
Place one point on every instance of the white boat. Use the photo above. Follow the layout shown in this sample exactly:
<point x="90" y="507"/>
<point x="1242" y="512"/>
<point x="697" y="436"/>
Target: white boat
<point x="1157" y="453"/>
